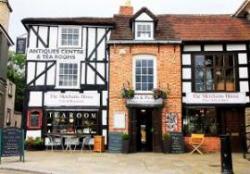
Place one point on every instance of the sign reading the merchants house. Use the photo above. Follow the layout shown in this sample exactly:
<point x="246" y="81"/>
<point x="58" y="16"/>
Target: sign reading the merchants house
<point x="12" y="143"/>
<point x="72" y="99"/>
<point x="21" y="45"/>
<point x="49" y="54"/>
<point x="216" y="98"/>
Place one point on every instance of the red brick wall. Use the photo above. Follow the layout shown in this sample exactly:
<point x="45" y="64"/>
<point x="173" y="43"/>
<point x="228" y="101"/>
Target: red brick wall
<point x="211" y="144"/>
<point x="168" y="77"/>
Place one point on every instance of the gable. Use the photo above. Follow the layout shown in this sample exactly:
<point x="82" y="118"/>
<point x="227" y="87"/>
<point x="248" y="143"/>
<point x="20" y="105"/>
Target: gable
<point x="143" y="17"/>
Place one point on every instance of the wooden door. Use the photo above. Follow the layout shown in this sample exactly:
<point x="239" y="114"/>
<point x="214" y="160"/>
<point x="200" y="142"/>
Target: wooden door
<point x="157" y="133"/>
<point x="233" y="121"/>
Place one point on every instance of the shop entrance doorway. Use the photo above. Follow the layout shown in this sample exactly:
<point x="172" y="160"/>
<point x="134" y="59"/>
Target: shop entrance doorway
<point x="233" y="119"/>
<point x="145" y="130"/>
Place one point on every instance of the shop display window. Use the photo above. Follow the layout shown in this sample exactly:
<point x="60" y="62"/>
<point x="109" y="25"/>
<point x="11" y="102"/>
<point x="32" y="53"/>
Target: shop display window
<point x="200" y="120"/>
<point x="72" y="122"/>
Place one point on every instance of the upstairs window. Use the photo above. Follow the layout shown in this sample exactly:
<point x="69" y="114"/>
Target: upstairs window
<point x="70" y="37"/>
<point x="215" y="72"/>
<point x="144" y="30"/>
<point x="144" y="73"/>
<point x="68" y="75"/>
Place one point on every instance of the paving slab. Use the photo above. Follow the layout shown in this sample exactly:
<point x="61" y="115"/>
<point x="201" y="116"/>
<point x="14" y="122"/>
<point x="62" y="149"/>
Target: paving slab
<point x="59" y="162"/>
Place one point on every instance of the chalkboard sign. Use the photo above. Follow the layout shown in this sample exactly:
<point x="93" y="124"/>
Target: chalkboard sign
<point x="21" y="45"/>
<point x="115" y="142"/>
<point x="177" y="142"/>
<point x="12" y="143"/>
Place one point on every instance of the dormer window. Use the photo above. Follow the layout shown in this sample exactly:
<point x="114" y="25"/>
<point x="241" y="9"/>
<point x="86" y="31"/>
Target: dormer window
<point x="144" y="30"/>
<point x="144" y="23"/>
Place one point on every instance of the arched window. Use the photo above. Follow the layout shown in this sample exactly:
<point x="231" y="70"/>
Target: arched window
<point x="34" y="120"/>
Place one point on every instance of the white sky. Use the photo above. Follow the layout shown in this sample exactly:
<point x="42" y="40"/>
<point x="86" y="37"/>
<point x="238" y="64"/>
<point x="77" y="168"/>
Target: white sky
<point x="106" y="8"/>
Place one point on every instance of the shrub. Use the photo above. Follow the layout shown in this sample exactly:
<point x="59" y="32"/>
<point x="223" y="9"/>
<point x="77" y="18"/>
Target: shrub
<point x="125" y="136"/>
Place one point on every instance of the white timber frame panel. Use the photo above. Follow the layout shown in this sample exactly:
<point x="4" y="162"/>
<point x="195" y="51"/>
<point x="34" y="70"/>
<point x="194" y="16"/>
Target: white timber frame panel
<point x="44" y="74"/>
<point x="240" y="96"/>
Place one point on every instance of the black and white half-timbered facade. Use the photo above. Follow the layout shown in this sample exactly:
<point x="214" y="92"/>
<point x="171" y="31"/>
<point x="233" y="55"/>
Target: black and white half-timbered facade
<point x="66" y="76"/>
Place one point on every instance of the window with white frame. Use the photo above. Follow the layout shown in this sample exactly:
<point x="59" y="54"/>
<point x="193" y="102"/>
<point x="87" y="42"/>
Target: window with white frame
<point x="144" y="30"/>
<point x="144" y="73"/>
<point x="70" y="37"/>
<point x="68" y="75"/>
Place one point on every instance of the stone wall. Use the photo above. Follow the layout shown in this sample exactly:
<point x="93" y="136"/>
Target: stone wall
<point x="4" y="15"/>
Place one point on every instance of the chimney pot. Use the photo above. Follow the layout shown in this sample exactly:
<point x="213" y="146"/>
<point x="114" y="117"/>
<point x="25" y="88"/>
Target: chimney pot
<point x="127" y="9"/>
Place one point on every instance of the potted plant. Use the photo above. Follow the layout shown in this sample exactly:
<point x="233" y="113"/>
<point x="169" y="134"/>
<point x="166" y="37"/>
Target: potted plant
<point x="128" y="93"/>
<point x="166" y="143"/>
<point x="158" y="93"/>
<point x="125" y="143"/>
<point x="34" y="144"/>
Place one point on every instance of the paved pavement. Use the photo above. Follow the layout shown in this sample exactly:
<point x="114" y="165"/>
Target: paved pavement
<point x="106" y="163"/>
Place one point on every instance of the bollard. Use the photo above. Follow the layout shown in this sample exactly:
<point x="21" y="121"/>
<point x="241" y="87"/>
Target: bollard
<point x="226" y="155"/>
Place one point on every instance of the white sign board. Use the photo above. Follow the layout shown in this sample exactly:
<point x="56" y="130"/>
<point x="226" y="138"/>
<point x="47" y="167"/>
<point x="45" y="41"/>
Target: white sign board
<point x="216" y="98"/>
<point x="120" y="120"/>
<point x="144" y="100"/>
<point x="48" y="54"/>
<point x="71" y="99"/>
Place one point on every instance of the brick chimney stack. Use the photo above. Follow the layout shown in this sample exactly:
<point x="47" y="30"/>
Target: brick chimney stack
<point x="126" y="9"/>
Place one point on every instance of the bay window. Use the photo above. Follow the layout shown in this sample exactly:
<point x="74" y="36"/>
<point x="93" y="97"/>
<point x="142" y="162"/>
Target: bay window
<point x="214" y="72"/>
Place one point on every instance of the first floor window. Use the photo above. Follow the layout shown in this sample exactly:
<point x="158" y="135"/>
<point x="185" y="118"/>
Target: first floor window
<point x="214" y="72"/>
<point x="68" y="74"/>
<point x="144" y="74"/>
<point x="70" y="37"/>
<point x="200" y="120"/>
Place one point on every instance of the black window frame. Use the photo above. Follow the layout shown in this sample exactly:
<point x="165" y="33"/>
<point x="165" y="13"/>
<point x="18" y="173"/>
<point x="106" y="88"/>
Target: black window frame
<point x="223" y="54"/>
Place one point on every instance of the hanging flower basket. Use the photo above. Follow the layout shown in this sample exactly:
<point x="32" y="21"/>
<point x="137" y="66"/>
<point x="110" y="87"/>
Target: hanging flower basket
<point x="158" y="93"/>
<point x="128" y="93"/>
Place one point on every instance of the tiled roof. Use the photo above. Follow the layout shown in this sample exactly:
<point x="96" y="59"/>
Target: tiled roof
<point x="69" y="21"/>
<point x="189" y="28"/>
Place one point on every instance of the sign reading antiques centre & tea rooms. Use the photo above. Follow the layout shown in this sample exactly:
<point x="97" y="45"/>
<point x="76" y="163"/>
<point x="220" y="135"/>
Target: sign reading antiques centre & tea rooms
<point x="55" y="54"/>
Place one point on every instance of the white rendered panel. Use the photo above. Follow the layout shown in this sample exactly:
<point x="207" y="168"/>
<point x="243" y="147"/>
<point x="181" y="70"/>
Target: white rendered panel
<point x="192" y="48"/>
<point x="53" y="37"/>
<point x="33" y="133"/>
<point x="35" y="99"/>
<point x="83" y="73"/>
<point x="90" y="75"/>
<point x="104" y="98"/>
<point x="43" y="32"/>
<point x="91" y="42"/>
<point x="242" y="58"/>
<point x="186" y="59"/>
<point x="213" y="48"/>
<point x="144" y="17"/>
<point x="186" y="73"/>
<point x="104" y="117"/>
<point x="101" y="70"/>
<point x="101" y="48"/>
<point x="30" y="71"/>
<point x="51" y="75"/>
<point x="105" y="134"/>
<point x="244" y="86"/>
<point x="186" y="87"/>
<point x="236" y="47"/>
<point x="33" y="38"/>
<point x="243" y="72"/>
<point x="40" y="69"/>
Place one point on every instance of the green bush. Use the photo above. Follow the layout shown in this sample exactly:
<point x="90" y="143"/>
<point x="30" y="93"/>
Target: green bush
<point x="166" y="137"/>
<point x="34" y="144"/>
<point x="128" y="93"/>
<point x="125" y="136"/>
